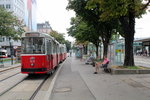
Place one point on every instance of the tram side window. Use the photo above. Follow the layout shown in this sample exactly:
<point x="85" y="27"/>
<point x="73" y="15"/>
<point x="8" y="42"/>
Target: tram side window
<point x="58" y="49"/>
<point x="54" y="47"/>
<point x="62" y="49"/>
<point x="49" y="47"/>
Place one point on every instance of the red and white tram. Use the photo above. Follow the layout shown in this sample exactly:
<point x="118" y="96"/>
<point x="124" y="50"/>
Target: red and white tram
<point x="40" y="53"/>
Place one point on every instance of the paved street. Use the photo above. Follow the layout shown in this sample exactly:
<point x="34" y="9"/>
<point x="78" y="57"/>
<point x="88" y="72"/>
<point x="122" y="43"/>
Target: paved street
<point x="76" y="81"/>
<point x="142" y="61"/>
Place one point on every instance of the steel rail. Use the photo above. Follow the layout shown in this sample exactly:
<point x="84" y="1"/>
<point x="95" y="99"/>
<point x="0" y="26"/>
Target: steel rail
<point x="38" y="88"/>
<point x="12" y="87"/>
<point x="9" y="76"/>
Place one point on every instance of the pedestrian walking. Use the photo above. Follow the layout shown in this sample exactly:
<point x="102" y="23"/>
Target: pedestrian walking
<point x="70" y="51"/>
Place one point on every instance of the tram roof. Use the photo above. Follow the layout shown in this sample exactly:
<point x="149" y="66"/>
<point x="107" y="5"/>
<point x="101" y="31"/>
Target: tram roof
<point x="41" y="35"/>
<point x="142" y="40"/>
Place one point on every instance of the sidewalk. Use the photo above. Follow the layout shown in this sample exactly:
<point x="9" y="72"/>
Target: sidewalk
<point x="9" y="66"/>
<point x="76" y="81"/>
<point x="142" y="61"/>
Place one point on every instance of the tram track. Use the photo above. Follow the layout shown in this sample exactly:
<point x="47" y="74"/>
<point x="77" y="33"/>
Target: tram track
<point x="11" y="87"/>
<point x="28" y="82"/>
<point x="7" y="85"/>
<point x="9" y="77"/>
<point x="8" y="74"/>
<point x="38" y="88"/>
<point x="26" y="87"/>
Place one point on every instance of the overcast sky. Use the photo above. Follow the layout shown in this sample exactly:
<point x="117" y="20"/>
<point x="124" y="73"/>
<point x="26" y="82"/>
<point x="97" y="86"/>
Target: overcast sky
<point x="55" y="12"/>
<point x="143" y="26"/>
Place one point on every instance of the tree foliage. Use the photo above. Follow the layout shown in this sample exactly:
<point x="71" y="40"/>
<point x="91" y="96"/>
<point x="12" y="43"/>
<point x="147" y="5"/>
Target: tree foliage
<point x="96" y="27"/>
<point x="125" y="11"/>
<point x="60" y="38"/>
<point x="83" y="32"/>
<point x="115" y="8"/>
<point x="10" y="25"/>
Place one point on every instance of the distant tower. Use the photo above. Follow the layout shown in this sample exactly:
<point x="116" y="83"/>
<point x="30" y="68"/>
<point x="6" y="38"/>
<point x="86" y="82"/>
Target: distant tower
<point x="30" y="14"/>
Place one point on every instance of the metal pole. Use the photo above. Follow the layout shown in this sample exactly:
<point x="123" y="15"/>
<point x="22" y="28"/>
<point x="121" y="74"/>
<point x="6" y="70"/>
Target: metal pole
<point x="11" y="55"/>
<point x="11" y="52"/>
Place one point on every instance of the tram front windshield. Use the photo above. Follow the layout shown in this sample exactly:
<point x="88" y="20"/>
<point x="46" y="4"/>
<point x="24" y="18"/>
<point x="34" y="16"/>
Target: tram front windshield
<point x="33" y="45"/>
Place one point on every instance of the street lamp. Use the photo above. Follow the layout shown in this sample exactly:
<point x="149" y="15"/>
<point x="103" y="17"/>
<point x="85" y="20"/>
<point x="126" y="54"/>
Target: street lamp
<point x="1" y="60"/>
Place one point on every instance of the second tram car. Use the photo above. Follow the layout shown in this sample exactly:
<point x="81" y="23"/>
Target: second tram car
<point x="40" y="53"/>
<point x="63" y="53"/>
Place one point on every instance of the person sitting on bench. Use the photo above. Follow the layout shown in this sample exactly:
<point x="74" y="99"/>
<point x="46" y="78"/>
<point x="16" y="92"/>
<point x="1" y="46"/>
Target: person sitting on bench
<point x="101" y="64"/>
<point x="90" y="59"/>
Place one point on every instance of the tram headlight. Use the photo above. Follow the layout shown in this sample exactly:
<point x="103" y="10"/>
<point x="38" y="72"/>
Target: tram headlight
<point x="32" y="64"/>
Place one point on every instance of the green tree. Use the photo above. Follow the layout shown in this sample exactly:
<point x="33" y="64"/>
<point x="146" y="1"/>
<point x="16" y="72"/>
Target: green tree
<point x="125" y="11"/>
<point x="68" y="45"/>
<point x="9" y="24"/>
<point x="58" y="36"/>
<point x="91" y="16"/>
<point x="83" y="32"/>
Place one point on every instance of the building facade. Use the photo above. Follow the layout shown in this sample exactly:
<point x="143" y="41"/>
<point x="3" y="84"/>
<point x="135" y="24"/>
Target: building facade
<point x="44" y="27"/>
<point x="16" y="6"/>
<point x="24" y="10"/>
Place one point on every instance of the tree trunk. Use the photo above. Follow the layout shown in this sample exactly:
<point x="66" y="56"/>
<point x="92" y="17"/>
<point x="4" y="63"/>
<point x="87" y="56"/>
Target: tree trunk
<point x="129" y="57"/>
<point x="128" y="25"/>
<point x="96" y="51"/>
<point x="105" y="40"/>
<point x="105" y="45"/>
<point x="86" y="49"/>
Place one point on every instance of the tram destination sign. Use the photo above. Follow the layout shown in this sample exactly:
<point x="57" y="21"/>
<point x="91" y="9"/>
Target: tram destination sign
<point x="32" y="34"/>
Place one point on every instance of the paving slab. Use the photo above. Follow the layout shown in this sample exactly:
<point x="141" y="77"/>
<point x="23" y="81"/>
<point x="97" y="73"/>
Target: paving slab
<point x="76" y="81"/>
<point x="70" y="86"/>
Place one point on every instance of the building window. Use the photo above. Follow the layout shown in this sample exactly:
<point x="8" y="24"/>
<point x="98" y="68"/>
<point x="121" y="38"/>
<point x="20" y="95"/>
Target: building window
<point x="1" y="39"/>
<point x="2" y="6"/>
<point x="8" y="6"/>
